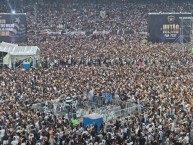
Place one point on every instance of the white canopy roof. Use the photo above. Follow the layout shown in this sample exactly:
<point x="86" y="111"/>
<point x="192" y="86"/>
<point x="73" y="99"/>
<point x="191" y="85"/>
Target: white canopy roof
<point x="93" y="116"/>
<point x="5" y="44"/>
<point x="19" y="50"/>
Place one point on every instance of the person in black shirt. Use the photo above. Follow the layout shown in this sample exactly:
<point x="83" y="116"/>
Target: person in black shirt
<point x="109" y="140"/>
<point x="142" y="141"/>
<point x="5" y="137"/>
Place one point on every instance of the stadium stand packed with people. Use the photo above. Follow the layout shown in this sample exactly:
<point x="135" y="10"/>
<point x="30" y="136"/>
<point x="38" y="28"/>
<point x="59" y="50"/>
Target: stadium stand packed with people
<point x="120" y="62"/>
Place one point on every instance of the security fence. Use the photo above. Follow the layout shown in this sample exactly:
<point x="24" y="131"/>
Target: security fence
<point x="108" y="114"/>
<point x="101" y="101"/>
<point x="110" y="109"/>
<point x="113" y="114"/>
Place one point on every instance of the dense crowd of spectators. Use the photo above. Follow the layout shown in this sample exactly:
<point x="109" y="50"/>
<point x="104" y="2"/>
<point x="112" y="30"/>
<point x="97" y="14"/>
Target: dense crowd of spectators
<point x="159" y="75"/>
<point x="130" y="17"/>
<point x="81" y="16"/>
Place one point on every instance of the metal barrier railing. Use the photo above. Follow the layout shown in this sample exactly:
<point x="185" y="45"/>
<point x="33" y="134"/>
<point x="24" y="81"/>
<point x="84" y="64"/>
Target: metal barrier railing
<point x="112" y="115"/>
<point x="98" y="102"/>
<point x="101" y="101"/>
<point x="109" y="112"/>
<point x="108" y="108"/>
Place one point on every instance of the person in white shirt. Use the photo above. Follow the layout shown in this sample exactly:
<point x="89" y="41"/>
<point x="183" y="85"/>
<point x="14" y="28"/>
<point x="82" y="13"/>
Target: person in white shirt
<point x="15" y="141"/>
<point x="2" y="132"/>
<point x="186" y="139"/>
<point x="91" y="94"/>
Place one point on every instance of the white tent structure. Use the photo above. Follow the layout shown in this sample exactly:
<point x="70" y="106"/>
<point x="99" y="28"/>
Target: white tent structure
<point x="16" y="53"/>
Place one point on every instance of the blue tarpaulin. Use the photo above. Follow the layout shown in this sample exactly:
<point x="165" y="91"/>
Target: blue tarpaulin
<point x="93" y="119"/>
<point x="26" y="65"/>
<point x="109" y="97"/>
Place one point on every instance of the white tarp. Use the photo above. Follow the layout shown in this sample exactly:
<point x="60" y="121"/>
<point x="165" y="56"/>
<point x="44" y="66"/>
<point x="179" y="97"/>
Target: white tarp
<point x="16" y="53"/>
<point x="93" y="116"/>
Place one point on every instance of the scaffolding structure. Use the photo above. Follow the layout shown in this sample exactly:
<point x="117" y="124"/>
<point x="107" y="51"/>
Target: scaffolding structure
<point x="186" y="34"/>
<point x="186" y="27"/>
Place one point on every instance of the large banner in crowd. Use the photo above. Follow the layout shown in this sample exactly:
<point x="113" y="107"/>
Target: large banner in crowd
<point x="166" y="27"/>
<point x="13" y="28"/>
